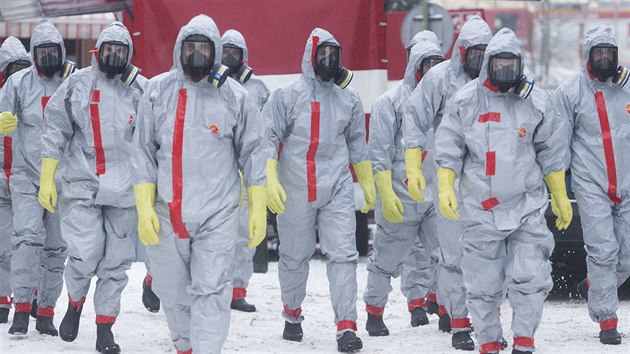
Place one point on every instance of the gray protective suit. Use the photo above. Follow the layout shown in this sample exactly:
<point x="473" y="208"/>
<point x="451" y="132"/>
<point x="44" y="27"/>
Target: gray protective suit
<point x="10" y="51"/>
<point x="322" y="128"/>
<point x="242" y="266"/>
<point x="424" y="112"/>
<point x="394" y="240"/>
<point x="90" y="122"/>
<point x="597" y="116"/>
<point x="501" y="146"/>
<point x="191" y="140"/>
<point x="39" y="252"/>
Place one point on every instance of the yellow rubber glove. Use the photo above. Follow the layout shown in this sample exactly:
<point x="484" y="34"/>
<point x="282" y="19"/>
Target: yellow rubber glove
<point x="275" y="193"/>
<point x="257" y="216"/>
<point x="415" y="180"/>
<point x="363" y="170"/>
<point x="446" y="191"/>
<point x="8" y="122"/>
<point x="560" y="204"/>
<point x="148" y="222"/>
<point x="391" y="205"/>
<point x="47" y="189"/>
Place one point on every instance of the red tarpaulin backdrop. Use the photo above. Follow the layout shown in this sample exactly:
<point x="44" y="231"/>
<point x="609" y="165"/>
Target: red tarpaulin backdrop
<point x="275" y="30"/>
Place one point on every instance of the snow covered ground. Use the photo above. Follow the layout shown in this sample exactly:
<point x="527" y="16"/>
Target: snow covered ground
<point x="565" y="328"/>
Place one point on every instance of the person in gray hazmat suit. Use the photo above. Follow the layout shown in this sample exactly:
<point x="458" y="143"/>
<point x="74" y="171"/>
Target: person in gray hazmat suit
<point x="400" y="220"/>
<point x="417" y="268"/>
<point x="595" y="104"/>
<point x="321" y="123"/>
<point x="90" y="121"/>
<point x="496" y="137"/>
<point x="39" y="251"/>
<point x="423" y="114"/>
<point x="13" y="58"/>
<point x="235" y="57"/>
<point x="196" y="129"/>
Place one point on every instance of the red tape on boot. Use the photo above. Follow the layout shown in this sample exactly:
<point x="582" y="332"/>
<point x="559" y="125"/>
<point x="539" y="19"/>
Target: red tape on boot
<point x="346" y="324"/>
<point x="460" y="322"/>
<point x="6" y="300"/>
<point x="608" y="324"/>
<point x="432" y="297"/>
<point x="489" y="347"/>
<point x="292" y="313"/>
<point x="46" y="311"/>
<point x="149" y="280"/>
<point x="76" y="304"/>
<point x="374" y="311"/>
<point x="526" y="342"/>
<point x="239" y="293"/>
<point x="102" y="319"/>
<point x="23" y="307"/>
<point x="414" y="304"/>
<point x="189" y="351"/>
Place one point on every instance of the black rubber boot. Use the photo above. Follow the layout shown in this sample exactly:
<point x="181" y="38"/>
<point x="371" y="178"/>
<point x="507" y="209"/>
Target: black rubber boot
<point x="242" y="305"/>
<point x="105" y="339"/>
<point x="349" y="342"/>
<point x="20" y="323"/>
<point x="375" y="326"/>
<point x="610" y="336"/>
<point x="292" y="331"/>
<point x="34" y="308"/>
<point x="4" y="315"/>
<point x="503" y="343"/>
<point x="432" y="307"/>
<point x="444" y="324"/>
<point x="69" y="327"/>
<point x="516" y="351"/>
<point x="419" y="317"/>
<point x="462" y="341"/>
<point x="45" y="325"/>
<point x="582" y="289"/>
<point x="150" y="301"/>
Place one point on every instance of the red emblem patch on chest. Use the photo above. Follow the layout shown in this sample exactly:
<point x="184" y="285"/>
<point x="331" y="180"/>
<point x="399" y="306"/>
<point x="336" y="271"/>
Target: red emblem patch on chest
<point x="214" y="129"/>
<point x="628" y="108"/>
<point x="522" y="132"/>
<point x="130" y="118"/>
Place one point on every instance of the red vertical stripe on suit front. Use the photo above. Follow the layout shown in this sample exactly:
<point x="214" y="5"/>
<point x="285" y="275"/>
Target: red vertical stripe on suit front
<point x="45" y="100"/>
<point x="491" y="163"/>
<point x="96" y="129"/>
<point x="609" y="153"/>
<point x="175" y="207"/>
<point x="8" y="158"/>
<point x="311" y="173"/>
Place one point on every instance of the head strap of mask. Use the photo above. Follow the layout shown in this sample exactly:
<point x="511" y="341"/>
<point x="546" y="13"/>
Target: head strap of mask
<point x="339" y="75"/>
